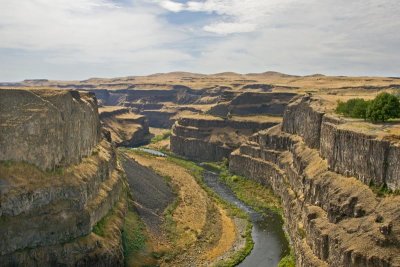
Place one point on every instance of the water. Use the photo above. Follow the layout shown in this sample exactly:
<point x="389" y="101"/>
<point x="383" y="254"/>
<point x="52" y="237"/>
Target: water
<point x="151" y="151"/>
<point x="270" y="243"/>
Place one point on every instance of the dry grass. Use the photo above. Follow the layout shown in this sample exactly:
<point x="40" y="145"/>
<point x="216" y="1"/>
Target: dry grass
<point x="227" y="239"/>
<point x="191" y="212"/>
<point x="110" y="109"/>
<point x="257" y="118"/>
<point x="203" y="230"/>
<point x="235" y="81"/>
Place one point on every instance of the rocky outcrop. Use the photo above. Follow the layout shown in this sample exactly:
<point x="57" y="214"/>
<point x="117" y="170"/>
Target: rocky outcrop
<point x="160" y="118"/>
<point x="303" y="120"/>
<point x="47" y="128"/>
<point x="372" y="156"/>
<point x="47" y="216"/>
<point x="126" y="127"/>
<point x="209" y="138"/>
<point x="136" y="93"/>
<point x="332" y="219"/>
<point x="252" y="103"/>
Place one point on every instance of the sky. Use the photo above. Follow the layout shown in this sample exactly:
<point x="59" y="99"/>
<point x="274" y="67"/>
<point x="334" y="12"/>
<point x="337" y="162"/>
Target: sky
<point x="79" y="39"/>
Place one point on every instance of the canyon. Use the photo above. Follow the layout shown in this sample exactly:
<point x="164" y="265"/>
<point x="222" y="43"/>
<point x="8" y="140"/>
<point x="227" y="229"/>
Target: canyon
<point x="67" y="170"/>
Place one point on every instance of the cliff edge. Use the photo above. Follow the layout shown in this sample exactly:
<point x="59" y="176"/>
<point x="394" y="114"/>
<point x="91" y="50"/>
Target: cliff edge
<point x="325" y="172"/>
<point x="59" y="178"/>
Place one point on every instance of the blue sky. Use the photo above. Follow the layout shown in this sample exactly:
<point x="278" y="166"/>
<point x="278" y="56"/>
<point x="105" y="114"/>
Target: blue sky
<point x="63" y="39"/>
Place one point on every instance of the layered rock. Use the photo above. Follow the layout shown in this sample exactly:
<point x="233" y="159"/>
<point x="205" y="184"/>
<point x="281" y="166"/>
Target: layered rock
<point x="163" y="118"/>
<point x="47" y="128"/>
<point x="209" y="138"/>
<point x="47" y="216"/>
<point x="126" y="127"/>
<point x="332" y="219"/>
<point x="156" y="93"/>
<point x="251" y="103"/>
<point x="351" y="148"/>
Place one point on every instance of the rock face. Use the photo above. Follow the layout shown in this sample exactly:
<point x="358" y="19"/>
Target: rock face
<point x="209" y="138"/>
<point x="177" y="94"/>
<point x="47" y="128"/>
<point x="332" y="219"/>
<point x="47" y="216"/>
<point x="251" y="103"/>
<point x="126" y="127"/>
<point x="160" y="118"/>
<point x="371" y="157"/>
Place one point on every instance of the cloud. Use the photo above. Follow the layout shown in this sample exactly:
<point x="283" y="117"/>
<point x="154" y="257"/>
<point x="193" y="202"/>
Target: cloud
<point x="172" y="6"/>
<point x="342" y="37"/>
<point x="239" y="15"/>
<point x="84" y="30"/>
<point x="76" y="39"/>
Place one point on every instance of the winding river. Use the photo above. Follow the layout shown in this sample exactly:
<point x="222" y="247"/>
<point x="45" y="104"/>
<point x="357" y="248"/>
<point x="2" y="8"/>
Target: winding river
<point x="270" y="243"/>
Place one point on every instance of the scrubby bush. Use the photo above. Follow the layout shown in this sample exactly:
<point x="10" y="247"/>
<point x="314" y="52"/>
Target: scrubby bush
<point x="355" y="108"/>
<point x="385" y="106"/>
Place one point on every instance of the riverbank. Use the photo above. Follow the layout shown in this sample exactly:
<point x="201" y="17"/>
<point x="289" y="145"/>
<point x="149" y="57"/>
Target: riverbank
<point x="200" y="229"/>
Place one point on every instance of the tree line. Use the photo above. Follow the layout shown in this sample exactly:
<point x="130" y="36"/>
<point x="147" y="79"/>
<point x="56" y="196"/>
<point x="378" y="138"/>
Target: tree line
<point x="383" y="107"/>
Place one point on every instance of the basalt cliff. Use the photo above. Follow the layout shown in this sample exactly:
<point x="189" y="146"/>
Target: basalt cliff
<point x="63" y="193"/>
<point x="226" y="125"/>
<point x="126" y="128"/>
<point x="59" y="179"/>
<point x="323" y="172"/>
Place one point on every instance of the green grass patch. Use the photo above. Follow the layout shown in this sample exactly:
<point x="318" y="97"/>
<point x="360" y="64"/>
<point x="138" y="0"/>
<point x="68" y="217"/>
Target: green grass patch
<point x="383" y="190"/>
<point x="99" y="228"/>
<point x="254" y="194"/>
<point x="288" y="261"/>
<point x="243" y="253"/>
<point x="160" y="137"/>
<point x="133" y="235"/>
<point x="170" y="224"/>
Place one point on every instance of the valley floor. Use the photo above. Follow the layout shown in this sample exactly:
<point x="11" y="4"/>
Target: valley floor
<point x="186" y="224"/>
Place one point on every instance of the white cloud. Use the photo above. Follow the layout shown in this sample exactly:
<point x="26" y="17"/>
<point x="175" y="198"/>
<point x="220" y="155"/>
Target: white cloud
<point x="342" y="37"/>
<point x="76" y="39"/>
<point x="239" y="15"/>
<point x="230" y="27"/>
<point x="93" y="30"/>
<point x="172" y="6"/>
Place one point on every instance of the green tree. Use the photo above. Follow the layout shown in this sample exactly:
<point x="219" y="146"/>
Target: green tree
<point x="356" y="108"/>
<point x="360" y="109"/>
<point x="385" y="106"/>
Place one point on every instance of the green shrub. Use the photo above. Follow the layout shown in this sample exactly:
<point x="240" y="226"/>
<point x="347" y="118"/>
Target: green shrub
<point x="355" y="108"/>
<point x="385" y="106"/>
<point x="288" y="261"/>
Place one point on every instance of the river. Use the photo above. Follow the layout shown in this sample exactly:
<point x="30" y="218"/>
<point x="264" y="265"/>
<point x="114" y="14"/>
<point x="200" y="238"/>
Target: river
<point x="270" y="243"/>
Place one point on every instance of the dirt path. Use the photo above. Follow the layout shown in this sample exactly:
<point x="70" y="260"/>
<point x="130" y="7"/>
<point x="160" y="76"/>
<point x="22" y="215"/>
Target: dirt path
<point x="203" y="232"/>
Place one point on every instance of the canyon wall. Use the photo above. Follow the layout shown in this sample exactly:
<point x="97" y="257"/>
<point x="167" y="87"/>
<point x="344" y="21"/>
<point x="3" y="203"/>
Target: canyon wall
<point x="126" y="128"/>
<point x="332" y="218"/>
<point x="47" y="216"/>
<point x="371" y="156"/>
<point x="47" y="128"/>
<point x="227" y="125"/>
<point x="252" y="103"/>
<point x="209" y="138"/>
